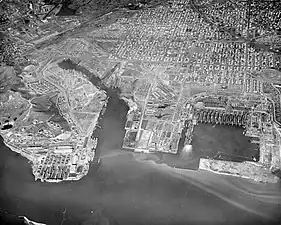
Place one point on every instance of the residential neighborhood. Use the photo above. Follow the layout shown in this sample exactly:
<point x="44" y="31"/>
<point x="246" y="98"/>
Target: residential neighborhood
<point x="176" y="65"/>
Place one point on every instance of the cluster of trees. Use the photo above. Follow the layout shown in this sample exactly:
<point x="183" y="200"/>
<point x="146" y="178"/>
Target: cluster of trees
<point x="12" y="52"/>
<point x="18" y="15"/>
<point x="265" y="14"/>
<point x="88" y="6"/>
<point x="14" y="14"/>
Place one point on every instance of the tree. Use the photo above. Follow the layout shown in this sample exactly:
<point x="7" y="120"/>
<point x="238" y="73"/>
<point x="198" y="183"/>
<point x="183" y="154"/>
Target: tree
<point x="12" y="51"/>
<point x="14" y="18"/>
<point x="7" y="77"/>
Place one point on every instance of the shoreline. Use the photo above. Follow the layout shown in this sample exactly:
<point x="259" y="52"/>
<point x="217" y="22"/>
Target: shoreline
<point x="197" y="178"/>
<point x="217" y="166"/>
<point x="272" y="179"/>
<point x="209" y="181"/>
<point x="31" y="160"/>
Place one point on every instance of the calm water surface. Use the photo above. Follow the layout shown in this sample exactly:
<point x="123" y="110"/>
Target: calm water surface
<point x="229" y="141"/>
<point x="126" y="190"/>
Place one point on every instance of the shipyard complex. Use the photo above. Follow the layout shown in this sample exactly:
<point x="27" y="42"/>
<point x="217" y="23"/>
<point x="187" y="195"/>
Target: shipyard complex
<point x="177" y="65"/>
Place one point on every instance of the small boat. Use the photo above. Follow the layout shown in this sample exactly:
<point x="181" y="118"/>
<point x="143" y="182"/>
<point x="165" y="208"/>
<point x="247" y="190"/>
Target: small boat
<point x="95" y="143"/>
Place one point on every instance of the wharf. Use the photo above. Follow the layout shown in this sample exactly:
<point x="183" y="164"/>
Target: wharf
<point x="235" y="118"/>
<point x="245" y="170"/>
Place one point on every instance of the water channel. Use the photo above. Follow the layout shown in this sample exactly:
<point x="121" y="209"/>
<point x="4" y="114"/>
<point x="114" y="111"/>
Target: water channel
<point x="122" y="190"/>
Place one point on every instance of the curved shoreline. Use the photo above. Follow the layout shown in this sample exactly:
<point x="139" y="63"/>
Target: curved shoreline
<point x="208" y="182"/>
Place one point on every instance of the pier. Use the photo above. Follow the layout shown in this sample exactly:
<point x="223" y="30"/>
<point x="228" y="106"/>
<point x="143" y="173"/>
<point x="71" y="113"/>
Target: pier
<point x="220" y="116"/>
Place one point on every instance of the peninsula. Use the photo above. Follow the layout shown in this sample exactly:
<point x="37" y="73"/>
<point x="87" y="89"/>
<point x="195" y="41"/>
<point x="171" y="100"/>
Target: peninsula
<point x="176" y="65"/>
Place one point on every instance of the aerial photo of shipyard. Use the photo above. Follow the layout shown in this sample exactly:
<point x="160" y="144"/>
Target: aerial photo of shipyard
<point x="160" y="112"/>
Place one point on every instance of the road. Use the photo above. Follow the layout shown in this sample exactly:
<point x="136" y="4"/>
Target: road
<point x="143" y="109"/>
<point x="250" y="42"/>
